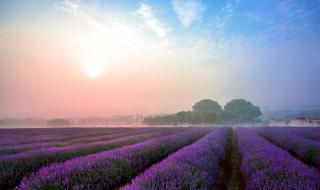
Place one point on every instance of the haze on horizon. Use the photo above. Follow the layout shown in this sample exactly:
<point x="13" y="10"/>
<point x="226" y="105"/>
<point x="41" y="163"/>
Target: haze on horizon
<point x="74" y="57"/>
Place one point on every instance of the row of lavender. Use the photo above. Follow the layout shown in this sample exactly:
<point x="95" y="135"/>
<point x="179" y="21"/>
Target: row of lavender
<point x="289" y="139"/>
<point x="312" y="133"/>
<point x="14" y="167"/>
<point x="193" y="167"/>
<point x="266" y="166"/>
<point x="23" y="137"/>
<point x="19" y="148"/>
<point x="111" y="134"/>
<point x="109" y="169"/>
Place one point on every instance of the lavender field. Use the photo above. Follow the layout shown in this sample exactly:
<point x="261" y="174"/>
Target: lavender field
<point x="163" y="158"/>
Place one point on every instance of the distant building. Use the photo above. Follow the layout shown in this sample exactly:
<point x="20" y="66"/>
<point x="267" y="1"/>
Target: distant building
<point x="297" y="122"/>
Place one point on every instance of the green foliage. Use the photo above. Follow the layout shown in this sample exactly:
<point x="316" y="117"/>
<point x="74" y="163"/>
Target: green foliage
<point x="184" y="117"/>
<point x="207" y="105"/>
<point x="210" y="112"/>
<point x="241" y="110"/>
<point x="58" y="122"/>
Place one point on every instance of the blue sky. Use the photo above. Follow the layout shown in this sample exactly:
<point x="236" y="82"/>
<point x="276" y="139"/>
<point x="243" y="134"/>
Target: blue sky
<point x="263" y="50"/>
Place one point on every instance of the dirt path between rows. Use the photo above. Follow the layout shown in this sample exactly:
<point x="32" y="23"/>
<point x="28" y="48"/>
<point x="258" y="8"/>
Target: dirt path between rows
<point x="230" y="177"/>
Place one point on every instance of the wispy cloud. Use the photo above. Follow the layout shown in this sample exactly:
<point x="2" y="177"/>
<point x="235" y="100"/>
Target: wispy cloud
<point x="229" y="11"/>
<point x="74" y="8"/>
<point x="146" y="13"/>
<point x="293" y="21"/>
<point x="188" y="11"/>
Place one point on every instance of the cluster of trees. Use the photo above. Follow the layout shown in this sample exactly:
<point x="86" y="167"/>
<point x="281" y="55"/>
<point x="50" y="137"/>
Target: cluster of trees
<point x="210" y="112"/>
<point x="59" y="122"/>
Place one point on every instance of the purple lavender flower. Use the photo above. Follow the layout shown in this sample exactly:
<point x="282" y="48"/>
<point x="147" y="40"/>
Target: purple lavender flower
<point x="107" y="170"/>
<point x="193" y="167"/>
<point x="268" y="167"/>
<point x="312" y="133"/>
<point x="26" y="136"/>
<point x="14" y="167"/>
<point x="306" y="149"/>
<point x="14" y="149"/>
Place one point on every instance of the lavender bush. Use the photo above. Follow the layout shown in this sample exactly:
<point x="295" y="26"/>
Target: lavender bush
<point x="17" y="136"/>
<point x="14" y="167"/>
<point x="12" y="137"/>
<point x="109" y="169"/>
<point x="14" y="149"/>
<point x="312" y="133"/>
<point x="193" y="167"/>
<point x="268" y="167"/>
<point x="306" y="149"/>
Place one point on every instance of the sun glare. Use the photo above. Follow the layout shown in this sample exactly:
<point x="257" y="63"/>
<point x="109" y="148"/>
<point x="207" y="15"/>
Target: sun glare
<point x="93" y="69"/>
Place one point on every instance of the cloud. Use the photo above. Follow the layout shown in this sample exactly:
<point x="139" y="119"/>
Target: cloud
<point x="293" y="21"/>
<point x="188" y="11"/>
<point x="229" y="11"/>
<point x="75" y="9"/>
<point x="146" y="13"/>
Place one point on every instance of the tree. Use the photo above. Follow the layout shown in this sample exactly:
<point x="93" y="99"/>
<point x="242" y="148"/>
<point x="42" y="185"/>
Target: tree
<point x="58" y="122"/>
<point x="207" y="117"/>
<point x="184" y="116"/>
<point x="206" y="111"/>
<point x="241" y="110"/>
<point x="207" y="105"/>
<point x="210" y="112"/>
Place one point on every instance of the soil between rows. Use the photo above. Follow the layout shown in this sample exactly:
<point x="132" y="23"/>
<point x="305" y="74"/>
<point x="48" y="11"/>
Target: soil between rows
<point x="230" y="177"/>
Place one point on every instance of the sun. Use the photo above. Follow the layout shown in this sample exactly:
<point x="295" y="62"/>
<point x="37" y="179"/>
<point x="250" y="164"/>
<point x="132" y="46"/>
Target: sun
<point x="93" y="68"/>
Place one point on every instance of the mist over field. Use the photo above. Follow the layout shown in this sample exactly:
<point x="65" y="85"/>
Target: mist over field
<point x="159" y="95"/>
<point x="96" y="58"/>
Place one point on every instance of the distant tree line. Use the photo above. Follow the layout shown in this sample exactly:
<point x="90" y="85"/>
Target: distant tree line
<point x="59" y="122"/>
<point x="210" y="112"/>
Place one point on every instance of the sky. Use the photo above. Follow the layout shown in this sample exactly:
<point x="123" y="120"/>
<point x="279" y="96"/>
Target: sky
<point x="95" y="57"/>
